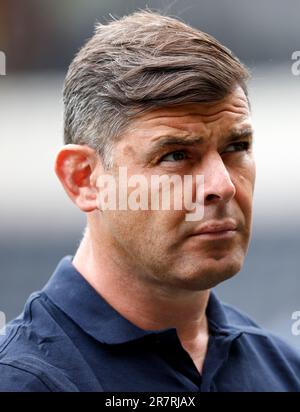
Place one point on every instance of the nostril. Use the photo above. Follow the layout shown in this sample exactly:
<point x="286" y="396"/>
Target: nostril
<point x="211" y="197"/>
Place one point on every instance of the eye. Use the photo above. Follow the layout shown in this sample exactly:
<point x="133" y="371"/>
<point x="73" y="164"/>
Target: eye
<point x="176" y="156"/>
<point x="237" y="147"/>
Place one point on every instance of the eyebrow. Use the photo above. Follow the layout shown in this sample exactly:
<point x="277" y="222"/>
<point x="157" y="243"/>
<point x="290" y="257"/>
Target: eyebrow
<point x="236" y="134"/>
<point x="165" y="141"/>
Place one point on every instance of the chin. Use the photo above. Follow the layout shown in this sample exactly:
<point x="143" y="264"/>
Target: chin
<point x="209" y="275"/>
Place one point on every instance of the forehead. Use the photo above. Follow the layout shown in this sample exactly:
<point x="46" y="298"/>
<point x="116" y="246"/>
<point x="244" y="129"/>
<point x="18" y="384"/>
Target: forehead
<point x="193" y="119"/>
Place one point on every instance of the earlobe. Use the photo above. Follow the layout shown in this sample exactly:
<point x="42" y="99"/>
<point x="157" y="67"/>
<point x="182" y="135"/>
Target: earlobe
<point x="74" y="166"/>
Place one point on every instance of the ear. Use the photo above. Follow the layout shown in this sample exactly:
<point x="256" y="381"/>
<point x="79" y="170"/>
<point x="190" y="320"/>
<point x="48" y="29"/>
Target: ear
<point x="76" y="167"/>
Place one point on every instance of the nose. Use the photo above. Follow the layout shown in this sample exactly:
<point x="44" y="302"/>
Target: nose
<point x="218" y="186"/>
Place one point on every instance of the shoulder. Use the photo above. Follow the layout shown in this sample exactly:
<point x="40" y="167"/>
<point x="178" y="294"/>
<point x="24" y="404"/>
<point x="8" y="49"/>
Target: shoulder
<point x="25" y="373"/>
<point x="264" y="343"/>
<point x="259" y="360"/>
<point x="30" y="349"/>
<point x="16" y="379"/>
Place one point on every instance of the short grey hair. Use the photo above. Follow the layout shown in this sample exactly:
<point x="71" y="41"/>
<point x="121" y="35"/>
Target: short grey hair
<point x="138" y="63"/>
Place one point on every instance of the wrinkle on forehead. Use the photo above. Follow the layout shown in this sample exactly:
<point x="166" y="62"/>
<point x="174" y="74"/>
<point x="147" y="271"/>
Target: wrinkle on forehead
<point x="190" y="121"/>
<point x="235" y="104"/>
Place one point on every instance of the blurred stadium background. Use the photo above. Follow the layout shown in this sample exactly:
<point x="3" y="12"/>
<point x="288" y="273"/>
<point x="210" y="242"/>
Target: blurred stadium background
<point x="39" y="225"/>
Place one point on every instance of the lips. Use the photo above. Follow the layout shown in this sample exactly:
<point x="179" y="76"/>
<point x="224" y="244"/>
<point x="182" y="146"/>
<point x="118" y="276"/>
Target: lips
<point x="215" y="227"/>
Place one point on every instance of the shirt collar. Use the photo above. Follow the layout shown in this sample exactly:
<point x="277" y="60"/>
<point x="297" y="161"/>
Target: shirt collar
<point x="69" y="290"/>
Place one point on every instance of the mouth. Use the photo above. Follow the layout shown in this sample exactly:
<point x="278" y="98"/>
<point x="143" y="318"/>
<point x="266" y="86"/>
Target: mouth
<point x="216" y="230"/>
<point x="222" y="234"/>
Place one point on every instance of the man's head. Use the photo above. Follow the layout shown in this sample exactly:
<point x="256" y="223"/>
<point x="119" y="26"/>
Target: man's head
<point x="142" y="62"/>
<point x="136" y="87"/>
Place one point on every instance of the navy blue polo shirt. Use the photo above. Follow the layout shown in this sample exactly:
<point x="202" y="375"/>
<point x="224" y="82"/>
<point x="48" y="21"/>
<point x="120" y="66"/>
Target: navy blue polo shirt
<point x="70" y="339"/>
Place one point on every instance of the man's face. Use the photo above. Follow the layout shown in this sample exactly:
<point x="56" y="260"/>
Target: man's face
<point x="213" y="140"/>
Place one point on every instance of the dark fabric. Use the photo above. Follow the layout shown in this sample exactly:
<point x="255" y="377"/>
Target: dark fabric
<point x="70" y="339"/>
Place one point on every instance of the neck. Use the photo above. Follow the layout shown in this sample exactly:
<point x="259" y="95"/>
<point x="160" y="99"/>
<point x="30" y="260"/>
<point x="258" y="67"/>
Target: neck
<point x="146" y="304"/>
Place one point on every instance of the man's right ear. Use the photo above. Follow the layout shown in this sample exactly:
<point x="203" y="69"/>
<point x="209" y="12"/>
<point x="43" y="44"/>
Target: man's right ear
<point x="76" y="166"/>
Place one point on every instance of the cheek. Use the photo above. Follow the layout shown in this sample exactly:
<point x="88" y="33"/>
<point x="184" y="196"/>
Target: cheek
<point x="135" y="229"/>
<point x="243" y="179"/>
